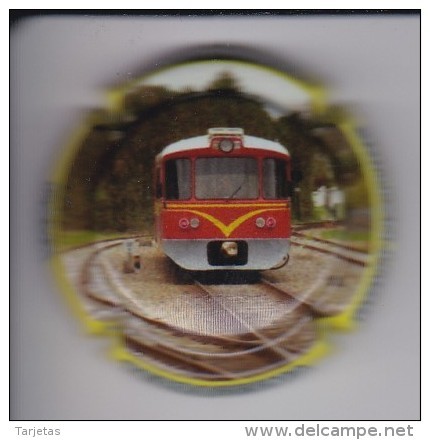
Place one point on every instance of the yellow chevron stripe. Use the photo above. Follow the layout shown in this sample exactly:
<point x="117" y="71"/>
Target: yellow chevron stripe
<point x="226" y="205"/>
<point x="227" y="229"/>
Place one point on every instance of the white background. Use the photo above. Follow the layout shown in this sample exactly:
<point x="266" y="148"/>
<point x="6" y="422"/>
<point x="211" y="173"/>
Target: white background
<point x="62" y="66"/>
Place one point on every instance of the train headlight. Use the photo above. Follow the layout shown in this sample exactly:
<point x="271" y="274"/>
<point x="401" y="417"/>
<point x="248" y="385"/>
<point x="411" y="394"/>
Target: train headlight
<point x="260" y="222"/>
<point x="184" y="223"/>
<point x="194" y="223"/>
<point x="270" y="222"/>
<point x="226" y="145"/>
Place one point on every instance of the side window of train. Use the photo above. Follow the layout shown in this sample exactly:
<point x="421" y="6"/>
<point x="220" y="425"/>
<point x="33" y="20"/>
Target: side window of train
<point x="275" y="185"/>
<point x="178" y="179"/>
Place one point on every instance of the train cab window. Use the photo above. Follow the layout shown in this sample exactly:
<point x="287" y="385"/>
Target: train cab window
<point x="178" y="179"/>
<point x="275" y="185"/>
<point x="226" y="178"/>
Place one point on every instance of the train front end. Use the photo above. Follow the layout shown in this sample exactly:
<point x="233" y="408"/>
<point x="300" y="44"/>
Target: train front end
<point x="222" y="202"/>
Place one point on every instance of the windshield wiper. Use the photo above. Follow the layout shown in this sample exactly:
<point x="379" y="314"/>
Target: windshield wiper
<point x="236" y="190"/>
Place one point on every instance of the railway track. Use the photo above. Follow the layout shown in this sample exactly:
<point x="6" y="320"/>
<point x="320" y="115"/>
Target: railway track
<point x="335" y="244"/>
<point x="334" y="249"/>
<point x="227" y="357"/>
<point x="245" y="347"/>
<point x="212" y="357"/>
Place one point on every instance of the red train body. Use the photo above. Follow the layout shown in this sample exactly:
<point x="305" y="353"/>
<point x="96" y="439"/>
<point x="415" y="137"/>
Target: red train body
<point x="222" y="202"/>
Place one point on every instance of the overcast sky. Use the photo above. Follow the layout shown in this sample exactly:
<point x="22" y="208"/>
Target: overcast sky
<point x="276" y="88"/>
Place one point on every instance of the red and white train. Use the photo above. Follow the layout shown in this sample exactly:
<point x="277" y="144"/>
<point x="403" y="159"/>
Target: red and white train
<point x="222" y="202"/>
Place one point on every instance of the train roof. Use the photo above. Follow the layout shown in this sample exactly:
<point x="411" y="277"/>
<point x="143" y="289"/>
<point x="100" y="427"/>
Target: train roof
<point x="204" y="141"/>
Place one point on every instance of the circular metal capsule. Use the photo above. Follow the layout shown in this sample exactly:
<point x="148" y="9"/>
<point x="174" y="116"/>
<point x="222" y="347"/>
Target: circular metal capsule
<point x="317" y="209"/>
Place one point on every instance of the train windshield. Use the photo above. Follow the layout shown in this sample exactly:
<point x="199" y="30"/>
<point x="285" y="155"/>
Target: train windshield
<point x="226" y="178"/>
